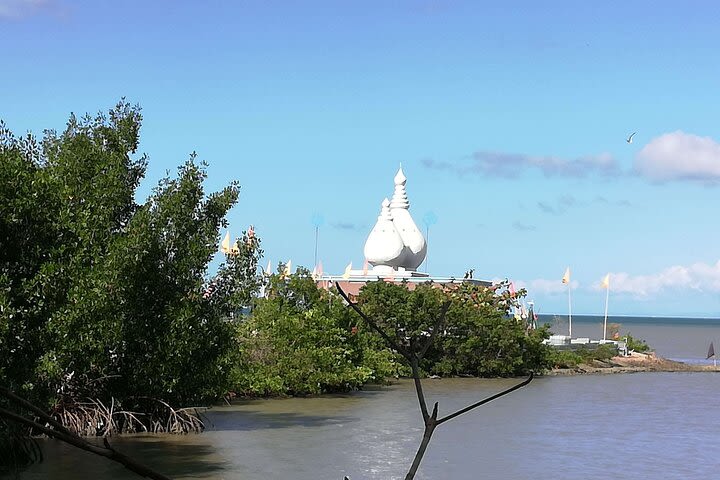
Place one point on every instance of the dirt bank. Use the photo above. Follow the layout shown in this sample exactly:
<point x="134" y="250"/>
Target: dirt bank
<point x="635" y="362"/>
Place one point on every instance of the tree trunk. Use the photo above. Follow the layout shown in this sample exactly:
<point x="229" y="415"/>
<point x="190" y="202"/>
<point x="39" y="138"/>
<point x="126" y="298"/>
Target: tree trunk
<point x="429" y="429"/>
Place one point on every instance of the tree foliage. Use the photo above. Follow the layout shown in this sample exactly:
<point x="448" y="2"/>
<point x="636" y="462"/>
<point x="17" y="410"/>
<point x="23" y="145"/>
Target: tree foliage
<point x="300" y="339"/>
<point x="480" y="337"/>
<point x="100" y="295"/>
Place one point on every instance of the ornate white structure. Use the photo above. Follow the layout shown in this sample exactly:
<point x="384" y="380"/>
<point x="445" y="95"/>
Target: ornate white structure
<point x="395" y="248"/>
<point x="395" y="244"/>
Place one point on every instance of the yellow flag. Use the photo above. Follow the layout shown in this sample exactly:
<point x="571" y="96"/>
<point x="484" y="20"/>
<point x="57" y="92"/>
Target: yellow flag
<point x="606" y="281"/>
<point x="346" y="275"/>
<point x="566" y="277"/>
<point x="314" y="274"/>
<point x="225" y="245"/>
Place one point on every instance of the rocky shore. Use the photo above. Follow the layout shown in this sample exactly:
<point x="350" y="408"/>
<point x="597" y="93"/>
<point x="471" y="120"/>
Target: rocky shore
<point x="634" y="363"/>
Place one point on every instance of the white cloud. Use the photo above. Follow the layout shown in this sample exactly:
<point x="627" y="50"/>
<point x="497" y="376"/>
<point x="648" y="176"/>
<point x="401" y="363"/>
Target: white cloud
<point x="14" y="9"/>
<point x="680" y="156"/>
<point x="701" y="277"/>
<point x="555" y="286"/>
<point x="512" y="165"/>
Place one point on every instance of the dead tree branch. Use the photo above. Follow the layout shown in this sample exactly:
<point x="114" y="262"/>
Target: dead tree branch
<point x="414" y="355"/>
<point x="59" y="432"/>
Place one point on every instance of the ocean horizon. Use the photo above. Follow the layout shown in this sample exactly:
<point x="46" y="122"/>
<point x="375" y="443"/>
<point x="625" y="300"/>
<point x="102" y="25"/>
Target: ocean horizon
<point x="661" y="319"/>
<point x="685" y="339"/>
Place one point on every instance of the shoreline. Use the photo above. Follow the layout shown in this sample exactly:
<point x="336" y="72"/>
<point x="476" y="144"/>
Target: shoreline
<point x="634" y="363"/>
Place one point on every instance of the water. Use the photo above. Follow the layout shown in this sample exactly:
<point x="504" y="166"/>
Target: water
<point x="649" y="425"/>
<point x="683" y="339"/>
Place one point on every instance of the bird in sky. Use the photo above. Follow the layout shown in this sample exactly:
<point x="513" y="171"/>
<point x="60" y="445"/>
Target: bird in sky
<point x="629" y="139"/>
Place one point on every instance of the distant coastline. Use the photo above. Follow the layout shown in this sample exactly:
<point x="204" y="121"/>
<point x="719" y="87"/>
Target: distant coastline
<point x="634" y="363"/>
<point x="631" y="319"/>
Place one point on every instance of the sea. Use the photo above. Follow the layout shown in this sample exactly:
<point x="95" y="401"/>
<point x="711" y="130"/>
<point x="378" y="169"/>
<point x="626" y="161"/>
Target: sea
<point x="677" y="338"/>
<point x="640" y="425"/>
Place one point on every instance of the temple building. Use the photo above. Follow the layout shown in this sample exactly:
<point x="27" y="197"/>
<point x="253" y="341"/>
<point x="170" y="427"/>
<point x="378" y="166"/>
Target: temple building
<point x="394" y="249"/>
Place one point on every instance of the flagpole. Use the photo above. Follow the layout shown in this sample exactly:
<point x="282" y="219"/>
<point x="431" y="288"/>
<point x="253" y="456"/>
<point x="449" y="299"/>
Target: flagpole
<point x="607" y="296"/>
<point x="569" y="311"/>
<point x="317" y="228"/>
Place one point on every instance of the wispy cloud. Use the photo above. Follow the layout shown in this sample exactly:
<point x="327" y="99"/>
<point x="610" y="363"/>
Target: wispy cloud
<point x="511" y="165"/>
<point x="347" y="226"/>
<point x="566" y="202"/>
<point x="16" y="9"/>
<point x="701" y="277"/>
<point x="542" y="285"/>
<point x="619" y="203"/>
<point x="523" y="227"/>
<point x="559" y="206"/>
<point x="680" y="156"/>
<point x="675" y="156"/>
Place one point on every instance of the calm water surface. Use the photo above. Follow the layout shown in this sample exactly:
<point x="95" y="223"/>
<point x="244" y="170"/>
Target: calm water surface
<point x="649" y="425"/>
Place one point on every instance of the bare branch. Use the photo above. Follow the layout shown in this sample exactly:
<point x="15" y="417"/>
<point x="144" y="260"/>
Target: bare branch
<point x="66" y="436"/>
<point x="36" y="410"/>
<point x="414" y="357"/>
<point x="390" y="341"/>
<point x="486" y="400"/>
<point x="438" y="325"/>
<point x="419" y="390"/>
<point x="71" y="439"/>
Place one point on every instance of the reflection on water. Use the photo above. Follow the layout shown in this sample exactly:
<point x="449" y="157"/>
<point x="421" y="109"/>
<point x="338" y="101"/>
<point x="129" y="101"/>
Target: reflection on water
<point x="652" y="425"/>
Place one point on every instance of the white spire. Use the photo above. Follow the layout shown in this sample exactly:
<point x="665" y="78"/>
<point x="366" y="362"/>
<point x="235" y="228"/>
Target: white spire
<point x="400" y="199"/>
<point x="415" y="247"/>
<point x="385" y="211"/>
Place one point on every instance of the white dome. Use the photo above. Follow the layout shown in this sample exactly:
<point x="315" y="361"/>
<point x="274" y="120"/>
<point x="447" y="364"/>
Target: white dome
<point x="384" y="246"/>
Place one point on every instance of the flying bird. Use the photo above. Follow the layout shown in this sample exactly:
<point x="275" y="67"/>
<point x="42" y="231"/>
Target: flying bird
<point x="629" y="139"/>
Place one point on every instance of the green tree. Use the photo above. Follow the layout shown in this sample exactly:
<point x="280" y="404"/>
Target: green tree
<point x="235" y="286"/>
<point x="62" y="200"/>
<point x="100" y="296"/>
<point x="412" y="331"/>
<point x="300" y="339"/>
<point x="479" y="336"/>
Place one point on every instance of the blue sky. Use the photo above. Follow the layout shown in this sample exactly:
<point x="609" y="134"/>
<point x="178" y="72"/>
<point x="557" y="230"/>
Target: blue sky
<point x="509" y="119"/>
